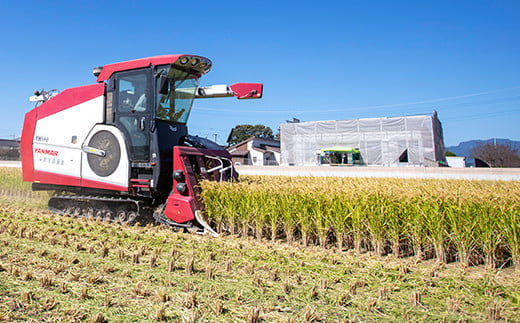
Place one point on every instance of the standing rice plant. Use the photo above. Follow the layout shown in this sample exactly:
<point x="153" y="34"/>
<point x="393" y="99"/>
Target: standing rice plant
<point x="230" y="197"/>
<point x="359" y="220"/>
<point x="244" y="201"/>
<point x="211" y="194"/>
<point x="436" y="225"/>
<point x="488" y="233"/>
<point x="260" y="198"/>
<point x="477" y="218"/>
<point x="306" y="221"/>
<point x="416" y="225"/>
<point x="460" y="216"/>
<point x="289" y="214"/>
<point x="510" y="227"/>
<point x="394" y="210"/>
<point x="377" y="221"/>
<point x="320" y="216"/>
<point x="13" y="186"/>
<point x="341" y="217"/>
<point x="273" y="211"/>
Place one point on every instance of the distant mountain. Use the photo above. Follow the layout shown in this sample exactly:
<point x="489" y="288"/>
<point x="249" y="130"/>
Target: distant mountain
<point x="464" y="148"/>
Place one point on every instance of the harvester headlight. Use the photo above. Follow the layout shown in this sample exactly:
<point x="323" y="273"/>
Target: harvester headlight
<point x="178" y="176"/>
<point x="194" y="61"/>
<point x="184" y="60"/>
<point x="97" y="70"/>
<point x="182" y="188"/>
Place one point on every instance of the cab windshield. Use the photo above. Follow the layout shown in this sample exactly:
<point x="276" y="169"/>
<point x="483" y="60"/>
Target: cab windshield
<point x="175" y="98"/>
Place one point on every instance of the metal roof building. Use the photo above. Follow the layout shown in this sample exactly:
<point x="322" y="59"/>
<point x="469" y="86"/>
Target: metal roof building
<point x="397" y="141"/>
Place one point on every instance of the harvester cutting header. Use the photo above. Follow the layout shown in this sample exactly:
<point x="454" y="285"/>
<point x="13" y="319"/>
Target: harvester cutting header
<point x="121" y="146"/>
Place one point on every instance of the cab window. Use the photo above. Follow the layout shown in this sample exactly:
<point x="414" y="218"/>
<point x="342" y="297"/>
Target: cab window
<point x="132" y="93"/>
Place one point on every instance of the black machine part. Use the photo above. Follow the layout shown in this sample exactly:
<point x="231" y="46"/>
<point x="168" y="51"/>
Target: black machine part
<point x="105" y="164"/>
<point x="198" y="142"/>
<point x="111" y="208"/>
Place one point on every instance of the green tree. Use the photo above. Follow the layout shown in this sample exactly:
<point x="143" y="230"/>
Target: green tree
<point x="448" y="153"/>
<point x="246" y="131"/>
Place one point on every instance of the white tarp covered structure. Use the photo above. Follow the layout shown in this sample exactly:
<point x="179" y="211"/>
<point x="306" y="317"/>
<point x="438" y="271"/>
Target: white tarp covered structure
<point x="381" y="141"/>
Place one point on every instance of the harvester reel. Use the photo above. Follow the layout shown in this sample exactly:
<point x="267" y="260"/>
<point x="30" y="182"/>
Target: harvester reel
<point x="104" y="165"/>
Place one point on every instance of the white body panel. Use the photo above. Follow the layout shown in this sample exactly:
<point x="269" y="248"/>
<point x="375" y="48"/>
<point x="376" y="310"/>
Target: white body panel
<point x="58" y="137"/>
<point x="121" y="175"/>
<point x="214" y="91"/>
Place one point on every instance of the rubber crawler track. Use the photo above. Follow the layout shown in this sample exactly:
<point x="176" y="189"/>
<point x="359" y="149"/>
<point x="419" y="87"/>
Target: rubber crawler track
<point x="114" y="209"/>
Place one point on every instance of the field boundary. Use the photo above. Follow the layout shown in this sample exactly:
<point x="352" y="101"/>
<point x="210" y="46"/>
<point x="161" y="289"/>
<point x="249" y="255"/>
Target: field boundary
<point x="503" y="174"/>
<point x="495" y="174"/>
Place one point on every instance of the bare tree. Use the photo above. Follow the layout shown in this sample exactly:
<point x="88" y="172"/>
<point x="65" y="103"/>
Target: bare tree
<point x="497" y="155"/>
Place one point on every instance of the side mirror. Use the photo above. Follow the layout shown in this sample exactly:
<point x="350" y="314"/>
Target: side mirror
<point x="247" y="90"/>
<point x="238" y="90"/>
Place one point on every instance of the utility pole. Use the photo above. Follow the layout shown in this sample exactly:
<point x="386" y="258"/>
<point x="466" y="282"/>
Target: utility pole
<point x="215" y="137"/>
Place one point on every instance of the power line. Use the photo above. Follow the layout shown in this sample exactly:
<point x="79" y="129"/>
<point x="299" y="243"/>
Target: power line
<point x="330" y="109"/>
<point x="479" y="116"/>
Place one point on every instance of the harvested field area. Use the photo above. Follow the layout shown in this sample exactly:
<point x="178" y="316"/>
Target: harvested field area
<point x="56" y="268"/>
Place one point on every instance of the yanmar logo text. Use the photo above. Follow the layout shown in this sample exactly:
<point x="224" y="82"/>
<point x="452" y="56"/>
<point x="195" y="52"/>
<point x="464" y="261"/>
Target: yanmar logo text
<point x="46" y="151"/>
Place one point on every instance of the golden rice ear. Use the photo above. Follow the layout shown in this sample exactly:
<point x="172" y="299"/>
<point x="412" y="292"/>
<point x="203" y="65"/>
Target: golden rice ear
<point x="426" y="218"/>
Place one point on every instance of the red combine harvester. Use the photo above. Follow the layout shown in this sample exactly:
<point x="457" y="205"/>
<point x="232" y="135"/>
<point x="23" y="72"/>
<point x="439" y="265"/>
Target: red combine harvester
<point x="120" y="149"/>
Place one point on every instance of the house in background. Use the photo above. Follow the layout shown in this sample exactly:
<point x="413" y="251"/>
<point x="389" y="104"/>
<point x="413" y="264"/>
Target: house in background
<point x="397" y="141"/>
<point x="256" y="151"/>
<point x="456" y="161"/>
<point x="9" y="149"/>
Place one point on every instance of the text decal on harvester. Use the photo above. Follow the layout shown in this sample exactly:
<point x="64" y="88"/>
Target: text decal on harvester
<point x="46" y="151"/>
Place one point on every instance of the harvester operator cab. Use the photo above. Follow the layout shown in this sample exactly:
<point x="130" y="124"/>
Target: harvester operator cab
<point x="151" y="106"/>
<point x="150" y="101"/>
<point x="147" y="121"/>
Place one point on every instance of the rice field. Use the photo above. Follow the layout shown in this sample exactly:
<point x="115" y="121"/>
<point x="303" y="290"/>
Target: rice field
<point x="64" y="269"/>
<point x="19" y="192"/>
<point x="472" y="222"/>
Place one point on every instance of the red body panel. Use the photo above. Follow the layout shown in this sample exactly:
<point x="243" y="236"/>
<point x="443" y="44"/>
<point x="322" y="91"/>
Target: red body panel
<point x="64" y="100"/>
<point x="247" y="90"/>
<point x="69" y="98"/>
<point x="110" y="69"/>
<point x="58" y="179"/>
<point x="26" y="146"/>
<point x="180" y="208"/>
<point x="102" y="185"/>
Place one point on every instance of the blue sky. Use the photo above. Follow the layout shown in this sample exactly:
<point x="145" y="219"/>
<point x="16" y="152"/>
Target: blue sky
<point x="318" y="60"/>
